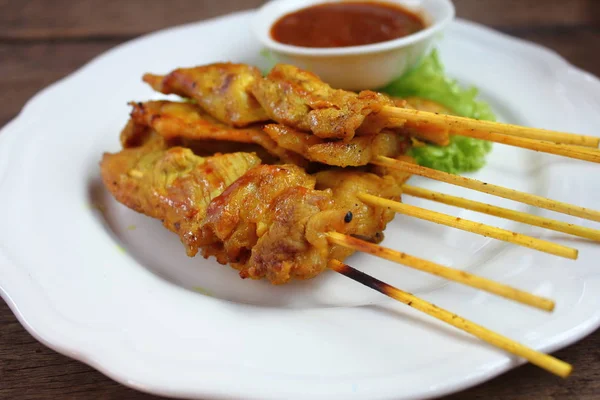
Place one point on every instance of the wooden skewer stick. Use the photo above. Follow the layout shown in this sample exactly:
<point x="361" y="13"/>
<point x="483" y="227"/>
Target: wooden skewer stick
<point x="470" y="226"/>
<point x="501" y="212"/>
<point x="542" y="360"/>
<point x="452" y="274"/>
<point x="478" y="128"/>
<point x="511" y="194"/>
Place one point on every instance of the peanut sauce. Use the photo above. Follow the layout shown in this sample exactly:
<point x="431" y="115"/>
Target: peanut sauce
<point x="343" y="24"/>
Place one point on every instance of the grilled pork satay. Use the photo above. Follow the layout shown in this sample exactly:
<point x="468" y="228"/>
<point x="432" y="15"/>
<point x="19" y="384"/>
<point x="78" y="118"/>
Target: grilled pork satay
<point x="135" y="135"/>
<point x="289" y="96"/>
<point x="358" y="151"/>
<point x="301" y="100"/>
<point x="272" y="222"/>
<point x="223" y="90"/>
<point x="267" y="221"/>
<point x="184" y="120"/>
<point x="171" y="118"/>
<point x="173" y="184"/>
<point x="369" y="222"/>
<point x="262" y="224"/>
<point x="177" y="120"/>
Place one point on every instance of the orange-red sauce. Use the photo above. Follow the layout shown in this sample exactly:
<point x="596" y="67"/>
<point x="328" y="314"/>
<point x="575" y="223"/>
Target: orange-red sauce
<point x="345" y="24"/>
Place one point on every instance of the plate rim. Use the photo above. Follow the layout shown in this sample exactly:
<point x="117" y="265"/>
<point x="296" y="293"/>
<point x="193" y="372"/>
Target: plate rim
<point x="23" y="119"/>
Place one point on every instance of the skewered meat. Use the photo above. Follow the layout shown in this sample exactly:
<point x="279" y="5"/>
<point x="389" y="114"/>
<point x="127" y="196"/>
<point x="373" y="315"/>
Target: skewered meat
<point x="223" y="90"/>
<point x="184" y="120"/>
<point x="136" y="135"/>
<point x="237" y="95"/>
<point x="170" y="118"/>
<point x="173" y="185"/>
<point x="358" y="151"/>
<point x="368" y="221"/>
<point x="301" y="100"/>
<point x="176" y="120"/>
<point x="272" y="222"/>
<point x="268" y="221"/>
<point x="264" y="224"/>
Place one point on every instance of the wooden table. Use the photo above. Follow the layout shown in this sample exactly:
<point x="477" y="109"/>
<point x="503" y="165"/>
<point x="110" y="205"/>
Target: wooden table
<point x="42" y="41"/>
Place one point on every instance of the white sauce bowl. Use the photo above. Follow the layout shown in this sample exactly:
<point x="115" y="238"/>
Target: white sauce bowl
<point x="356" y="67"/>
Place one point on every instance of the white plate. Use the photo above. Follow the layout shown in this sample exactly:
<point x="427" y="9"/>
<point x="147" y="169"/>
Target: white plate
<point x="87" y="284"/>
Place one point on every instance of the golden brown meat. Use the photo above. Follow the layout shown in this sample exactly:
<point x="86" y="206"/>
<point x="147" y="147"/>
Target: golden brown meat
<point x="237" y="95"/>
<point x="178" y="120"/>
<point x="223" y="90"/>
<point x="295" y="245"/>
<point x="268" y="221"/>
<point x="272" y="222"/>
<point x="236" y="214"/>
<point x="299" y="99"/>
<point x="356" y="152"/>
<point x="173" y="185"/>
<point x="135" y="135"/>
<point x="208" y="148"/>
<point x="368" y="222"/>
<point x="261" y="223"/>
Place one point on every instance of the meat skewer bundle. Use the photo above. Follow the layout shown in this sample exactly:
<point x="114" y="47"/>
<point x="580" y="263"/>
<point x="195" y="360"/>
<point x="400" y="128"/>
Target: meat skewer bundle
<point x="290" y="199"/>
<point x="235" y="94"/>
<point x="268" y="221"/>
<point x="239" y="92"/>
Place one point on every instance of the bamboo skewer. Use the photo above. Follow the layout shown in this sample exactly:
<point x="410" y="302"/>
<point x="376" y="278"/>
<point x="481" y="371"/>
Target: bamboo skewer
<point x="478" y="128"/>
<point x="518" y="216"/>
<point x="455" y="275"/>
<point x="470" y="226"/>
<point x="542" y="360"/>
<point x="511" y="194"/>
<point x="565" y="150"/>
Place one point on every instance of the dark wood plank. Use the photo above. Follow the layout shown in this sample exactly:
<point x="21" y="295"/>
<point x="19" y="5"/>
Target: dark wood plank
<point x="530" y="13"/>
<point x="37" y="19"/>
<point x="574" y="44"/>
<point x="42" y="41"/>
<point x="26" y="68"/>
<point x="528" y="382"/>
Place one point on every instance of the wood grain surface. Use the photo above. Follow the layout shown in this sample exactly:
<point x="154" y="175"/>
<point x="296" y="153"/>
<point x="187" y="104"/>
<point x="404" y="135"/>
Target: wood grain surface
<point x="42" y="41"/>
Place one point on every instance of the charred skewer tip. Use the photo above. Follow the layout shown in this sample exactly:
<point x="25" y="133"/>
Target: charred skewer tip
<point x="544" y="361"/>
<point x="452" y="274"/>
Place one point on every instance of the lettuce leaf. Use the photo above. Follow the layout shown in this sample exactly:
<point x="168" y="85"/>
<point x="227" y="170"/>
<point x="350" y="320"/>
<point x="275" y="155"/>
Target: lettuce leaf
<point x="428" y="80"/>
